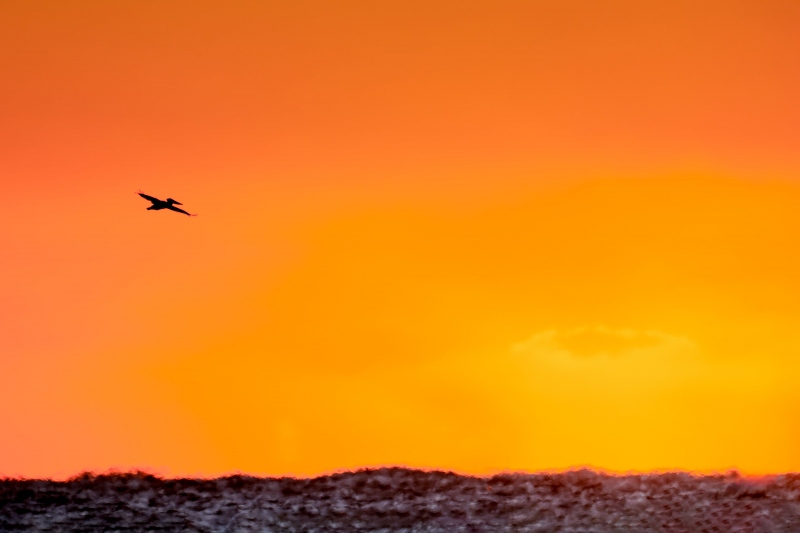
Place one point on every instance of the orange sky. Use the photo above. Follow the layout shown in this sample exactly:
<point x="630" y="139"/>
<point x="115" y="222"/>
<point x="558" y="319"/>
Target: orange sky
<point x="459" y="235"/>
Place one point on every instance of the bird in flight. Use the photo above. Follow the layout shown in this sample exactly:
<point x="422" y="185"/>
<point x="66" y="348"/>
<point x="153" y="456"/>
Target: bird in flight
<point x="161" y="204"/>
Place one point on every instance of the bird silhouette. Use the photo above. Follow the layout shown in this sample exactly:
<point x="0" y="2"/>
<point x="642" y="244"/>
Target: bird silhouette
<point x="161" y="204"/>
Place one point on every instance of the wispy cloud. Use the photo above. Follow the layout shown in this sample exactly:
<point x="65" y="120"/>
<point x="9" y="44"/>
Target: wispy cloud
<point x="611" y="361"/>
<point x="604" y="341"/>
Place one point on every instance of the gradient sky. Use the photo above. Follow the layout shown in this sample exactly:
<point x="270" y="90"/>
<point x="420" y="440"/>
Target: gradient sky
<point x="477" y="236"/>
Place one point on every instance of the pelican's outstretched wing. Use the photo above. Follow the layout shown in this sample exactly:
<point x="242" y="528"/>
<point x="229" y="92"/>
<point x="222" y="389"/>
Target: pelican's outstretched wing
<point x="148" y="197"/>
<point x="179" y="210"/>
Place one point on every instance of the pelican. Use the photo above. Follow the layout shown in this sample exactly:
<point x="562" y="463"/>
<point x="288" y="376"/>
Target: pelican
<point x="161" y="204"/>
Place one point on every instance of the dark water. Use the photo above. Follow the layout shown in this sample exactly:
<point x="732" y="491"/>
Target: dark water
<point x="395" y="499"/>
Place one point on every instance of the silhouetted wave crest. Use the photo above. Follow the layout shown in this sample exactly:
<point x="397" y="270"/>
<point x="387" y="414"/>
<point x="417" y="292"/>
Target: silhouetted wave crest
<point x="399" y="499"/>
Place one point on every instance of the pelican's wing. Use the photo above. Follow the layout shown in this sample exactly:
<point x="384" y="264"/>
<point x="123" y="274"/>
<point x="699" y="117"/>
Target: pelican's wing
<point x="148" y="197"/>
<point x="179" y="210"/>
